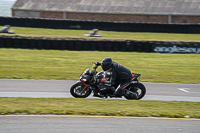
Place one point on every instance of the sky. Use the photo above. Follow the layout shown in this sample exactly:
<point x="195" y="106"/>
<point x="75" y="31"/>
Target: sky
<point x="5" y="7"/>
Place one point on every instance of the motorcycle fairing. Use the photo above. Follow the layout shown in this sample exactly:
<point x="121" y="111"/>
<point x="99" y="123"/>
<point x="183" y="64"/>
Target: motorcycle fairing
<point x="135" y="76"/>
<point x="85" y="76"/>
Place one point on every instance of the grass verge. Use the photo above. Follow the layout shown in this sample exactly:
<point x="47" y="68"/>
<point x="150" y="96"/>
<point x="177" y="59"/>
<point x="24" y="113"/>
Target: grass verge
<point x="68" y="65"/>
<point x="71" y="106"/>
<point x="109" y="35"/>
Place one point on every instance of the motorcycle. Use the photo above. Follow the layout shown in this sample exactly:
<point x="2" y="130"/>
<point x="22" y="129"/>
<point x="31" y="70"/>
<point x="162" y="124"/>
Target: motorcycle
<point x="133" y="90"/>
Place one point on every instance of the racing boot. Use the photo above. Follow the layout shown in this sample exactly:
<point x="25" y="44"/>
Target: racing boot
<point x="118" y="93"/>
<point x="98" y="95"/>
<point x="95" y="91"/>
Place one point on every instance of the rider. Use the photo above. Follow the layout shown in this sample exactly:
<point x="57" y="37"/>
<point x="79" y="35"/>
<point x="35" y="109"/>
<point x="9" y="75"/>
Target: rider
<point x="119" y="75"/>
<point x="5" y="29"/>
<point x="94" y="32"/>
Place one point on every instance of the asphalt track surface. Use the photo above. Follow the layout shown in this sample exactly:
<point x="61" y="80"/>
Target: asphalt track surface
<point x="60" y="89"/>
<point x="71" y="124"/>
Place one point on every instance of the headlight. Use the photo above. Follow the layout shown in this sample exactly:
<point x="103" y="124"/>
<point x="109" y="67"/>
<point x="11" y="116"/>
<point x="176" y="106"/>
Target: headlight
<point x="84" y="80"/>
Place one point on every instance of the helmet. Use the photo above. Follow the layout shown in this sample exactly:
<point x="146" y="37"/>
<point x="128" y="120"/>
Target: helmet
<point x="106" y="63"/>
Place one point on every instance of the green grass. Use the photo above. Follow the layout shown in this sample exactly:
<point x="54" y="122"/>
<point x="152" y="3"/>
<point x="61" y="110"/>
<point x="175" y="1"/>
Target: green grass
<point x="70" y="106"/>
<point x="68" y="65"/>
<point x="111" y="35"/>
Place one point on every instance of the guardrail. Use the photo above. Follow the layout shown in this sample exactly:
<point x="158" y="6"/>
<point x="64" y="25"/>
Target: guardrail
<point x="102" y="25"/>
<point x="99" y="45"/>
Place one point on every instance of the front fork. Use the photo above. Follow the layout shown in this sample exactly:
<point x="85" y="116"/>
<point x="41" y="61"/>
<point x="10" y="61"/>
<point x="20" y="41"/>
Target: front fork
<point x="85" y="85"/>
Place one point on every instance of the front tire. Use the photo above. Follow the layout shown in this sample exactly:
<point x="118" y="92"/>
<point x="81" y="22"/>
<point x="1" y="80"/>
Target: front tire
<point x="79" y="90"/>
<point x="138" y="88"/>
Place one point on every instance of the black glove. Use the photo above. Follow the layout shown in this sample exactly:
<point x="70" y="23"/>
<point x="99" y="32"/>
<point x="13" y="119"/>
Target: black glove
<point x="98" y="64"/>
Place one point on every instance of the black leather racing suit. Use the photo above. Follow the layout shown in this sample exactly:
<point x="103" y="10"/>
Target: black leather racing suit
<point x="119" y="76"/>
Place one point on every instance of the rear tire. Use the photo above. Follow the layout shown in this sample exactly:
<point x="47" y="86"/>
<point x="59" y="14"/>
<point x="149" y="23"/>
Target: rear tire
<point x="77" y="90"/>
<point x="138" y="88"/>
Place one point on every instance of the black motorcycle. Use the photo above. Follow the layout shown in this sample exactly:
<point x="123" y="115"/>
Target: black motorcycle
<point x="88" y="84"/>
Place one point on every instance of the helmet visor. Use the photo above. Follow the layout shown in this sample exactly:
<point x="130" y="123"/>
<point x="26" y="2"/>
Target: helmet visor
<point x="106" y="66"/>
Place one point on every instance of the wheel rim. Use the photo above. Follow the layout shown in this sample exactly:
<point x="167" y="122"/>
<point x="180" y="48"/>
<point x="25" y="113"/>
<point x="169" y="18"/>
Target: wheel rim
<point x="136" y="90"/>
<point x="80" y="92"/>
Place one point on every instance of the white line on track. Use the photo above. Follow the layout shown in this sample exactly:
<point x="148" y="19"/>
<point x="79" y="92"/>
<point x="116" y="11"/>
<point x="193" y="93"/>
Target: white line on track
<point x="184" y="89"/>
<point x="93" y="116"/>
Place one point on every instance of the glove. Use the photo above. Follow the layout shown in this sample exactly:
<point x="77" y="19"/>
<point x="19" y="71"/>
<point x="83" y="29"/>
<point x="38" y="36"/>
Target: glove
<point x="98" y="64"/>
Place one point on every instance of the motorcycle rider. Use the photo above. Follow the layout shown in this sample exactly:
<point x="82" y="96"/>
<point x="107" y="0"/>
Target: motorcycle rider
<point x="94" y="32"/>
<point x="5" y="29"/>
<point x="119" y="75"/>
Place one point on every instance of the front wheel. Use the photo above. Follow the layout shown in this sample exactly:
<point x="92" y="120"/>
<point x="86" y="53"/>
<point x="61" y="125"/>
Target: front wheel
<point x="138" y="89"/>
<point x="78" y="90"/>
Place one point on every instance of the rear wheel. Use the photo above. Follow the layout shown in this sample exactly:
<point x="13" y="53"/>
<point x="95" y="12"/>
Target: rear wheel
<point x="78" y="90"/>
<point x="138" y="89"/>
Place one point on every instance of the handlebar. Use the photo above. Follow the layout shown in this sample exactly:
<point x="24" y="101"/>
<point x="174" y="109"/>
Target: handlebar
<point x="96" y="65"/>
